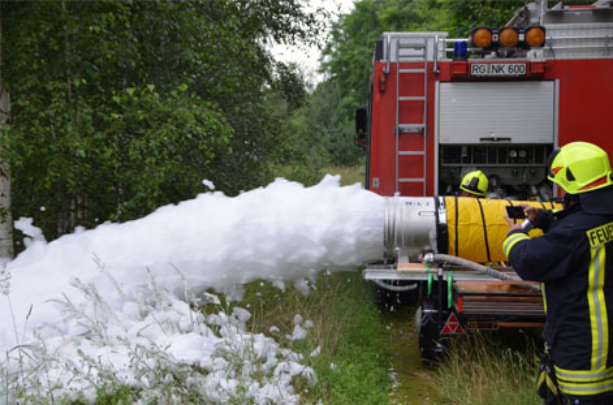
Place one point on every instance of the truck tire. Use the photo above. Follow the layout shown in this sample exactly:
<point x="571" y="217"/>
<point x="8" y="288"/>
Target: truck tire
<point x="431" y="345"/>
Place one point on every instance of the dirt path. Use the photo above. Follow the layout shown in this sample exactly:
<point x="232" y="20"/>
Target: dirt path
<point x="412" y="379"/>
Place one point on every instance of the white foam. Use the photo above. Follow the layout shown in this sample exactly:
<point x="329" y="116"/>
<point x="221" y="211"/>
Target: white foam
<point x="114" y="279"/>
<point x="284" y="232"/>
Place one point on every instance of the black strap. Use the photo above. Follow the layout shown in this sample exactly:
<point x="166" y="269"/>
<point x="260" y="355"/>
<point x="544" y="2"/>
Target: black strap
<point x="442" y="232"/>
<point x="511" y="204"/>
<point x="487" y="243"/>
<point x="457" y="223"/>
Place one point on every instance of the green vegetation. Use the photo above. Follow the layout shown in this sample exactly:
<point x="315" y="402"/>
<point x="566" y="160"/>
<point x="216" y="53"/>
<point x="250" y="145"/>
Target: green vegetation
<point x="119" y="107"/>
<point x="352" y="366"/>
<point x="483" y="370"/>
<point x="345" y="346"/>
<point x="327" y="121"/>
<point x="354" y="362"/>
<point x="349" y="174"/>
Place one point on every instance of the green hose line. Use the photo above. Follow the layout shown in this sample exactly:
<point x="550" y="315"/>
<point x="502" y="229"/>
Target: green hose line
<point x="449" y="288"/>
<point x="429" y="279"/>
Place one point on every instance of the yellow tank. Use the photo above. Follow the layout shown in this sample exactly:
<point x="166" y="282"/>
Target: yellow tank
<point x="470" y="228"/>
<point x="476" y="227"/>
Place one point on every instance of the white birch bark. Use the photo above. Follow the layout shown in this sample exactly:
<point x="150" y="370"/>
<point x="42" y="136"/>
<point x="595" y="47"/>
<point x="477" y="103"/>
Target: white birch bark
<point x="6" y="219"/>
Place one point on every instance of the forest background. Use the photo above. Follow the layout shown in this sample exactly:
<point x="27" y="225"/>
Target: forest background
<point x="121" y="106"/>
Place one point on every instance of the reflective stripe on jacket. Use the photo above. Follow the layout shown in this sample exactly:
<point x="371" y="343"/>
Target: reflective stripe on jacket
<point x="574" y="260"/>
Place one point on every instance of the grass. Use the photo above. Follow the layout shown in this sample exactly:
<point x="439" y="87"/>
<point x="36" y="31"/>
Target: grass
<point x="308" y="177"/>
<point x="349" y="174"/>
<point x="351" y="338"/>
<point x="352" y="368"/>
<point x="347" y="328"/>
<point x="484" y="370"/>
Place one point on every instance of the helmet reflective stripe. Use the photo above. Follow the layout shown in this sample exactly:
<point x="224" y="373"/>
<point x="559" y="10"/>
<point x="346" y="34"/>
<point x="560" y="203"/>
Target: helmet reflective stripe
<point x="579" y="167"/>
<point x="603" y="180"/>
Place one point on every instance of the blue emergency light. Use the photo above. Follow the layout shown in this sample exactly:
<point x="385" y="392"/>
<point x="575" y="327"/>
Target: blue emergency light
<point x="460" y="50"/>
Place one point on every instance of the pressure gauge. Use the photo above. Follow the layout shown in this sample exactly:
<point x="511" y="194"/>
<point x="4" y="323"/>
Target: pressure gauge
<point x="522" y="153"/>
<point x="513" y="153"/>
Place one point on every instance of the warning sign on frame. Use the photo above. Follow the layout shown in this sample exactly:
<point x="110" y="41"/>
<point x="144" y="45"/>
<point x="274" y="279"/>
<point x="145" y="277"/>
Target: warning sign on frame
<point x="453" y="326"/>
<point x="498" y="69"/>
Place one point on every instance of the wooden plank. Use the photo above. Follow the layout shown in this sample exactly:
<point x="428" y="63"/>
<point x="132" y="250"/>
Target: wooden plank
<point x="505" y="298"/>
<point x="501" y="286"/>
<point x="521" y="324"/>
<point x="420" y="267"/>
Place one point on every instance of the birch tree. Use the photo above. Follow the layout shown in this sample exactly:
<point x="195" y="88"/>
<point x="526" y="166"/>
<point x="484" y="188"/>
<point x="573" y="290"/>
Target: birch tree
<point x="119" y="107"/>
<point x="6" y="222"/>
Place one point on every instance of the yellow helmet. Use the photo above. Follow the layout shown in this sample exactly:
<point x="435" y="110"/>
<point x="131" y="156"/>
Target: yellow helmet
<point x="579" y="167"/>
<point x="475" y="183"/>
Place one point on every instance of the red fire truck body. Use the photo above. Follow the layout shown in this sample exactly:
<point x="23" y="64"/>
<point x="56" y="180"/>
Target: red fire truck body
<point x="433" y="118"/>
<point x="441" y="107"/>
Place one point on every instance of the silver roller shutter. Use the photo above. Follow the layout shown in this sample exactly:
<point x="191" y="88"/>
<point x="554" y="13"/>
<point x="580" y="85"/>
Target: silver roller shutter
<point x="496" y="112"/>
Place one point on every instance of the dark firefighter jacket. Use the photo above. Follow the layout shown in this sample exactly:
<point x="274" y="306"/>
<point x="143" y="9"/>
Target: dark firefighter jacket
<point x="574" y="261"/>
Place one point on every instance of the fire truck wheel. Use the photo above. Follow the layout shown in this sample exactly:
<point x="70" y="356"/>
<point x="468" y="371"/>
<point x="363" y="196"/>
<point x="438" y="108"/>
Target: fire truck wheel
<point x="431" y="346"/>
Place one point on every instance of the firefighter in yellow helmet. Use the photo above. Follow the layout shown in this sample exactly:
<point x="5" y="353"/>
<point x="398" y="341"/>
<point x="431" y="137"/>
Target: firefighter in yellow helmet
<point x="474" y="184"/>
<point x="574" y="263"/>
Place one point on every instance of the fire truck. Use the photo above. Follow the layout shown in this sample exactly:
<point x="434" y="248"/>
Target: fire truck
<point x="499" y="101"/>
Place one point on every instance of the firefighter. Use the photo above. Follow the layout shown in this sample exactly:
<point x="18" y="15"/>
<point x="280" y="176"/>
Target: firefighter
<point x="574" y="263"/>
<point x="474" y="184"/>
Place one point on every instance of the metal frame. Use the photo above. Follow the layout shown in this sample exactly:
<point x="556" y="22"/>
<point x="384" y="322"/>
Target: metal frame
<point x="437" y="129"/>
<point x="375" y="273"/>
<point x="421" y="45"/>
<point x="582" y="43"/>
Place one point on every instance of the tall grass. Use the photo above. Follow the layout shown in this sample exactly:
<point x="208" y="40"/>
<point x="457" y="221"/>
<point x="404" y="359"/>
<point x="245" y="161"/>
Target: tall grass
<point x="483" y="370"/>
<point x="312" y="175"/>
<point x="348" y="336"/>
<point x="349" y="174"/>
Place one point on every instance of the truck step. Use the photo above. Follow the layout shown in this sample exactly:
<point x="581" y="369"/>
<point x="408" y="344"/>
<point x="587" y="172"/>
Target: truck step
<point x="411" y="98"/>
<point x="412" y="70"/>
<point x="411" y="128"/>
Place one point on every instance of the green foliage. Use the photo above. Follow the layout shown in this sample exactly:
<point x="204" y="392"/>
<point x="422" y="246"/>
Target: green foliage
<point x="352" y="44"/>
<point x="328" y="126"/>
<point x="352" y="366"/>
<point x="121" y="106"/>
<point x="349" y="174"/>
<point x="468" y="14"/>
<point x="158" y="146"/>
<point x="328" y="122"/>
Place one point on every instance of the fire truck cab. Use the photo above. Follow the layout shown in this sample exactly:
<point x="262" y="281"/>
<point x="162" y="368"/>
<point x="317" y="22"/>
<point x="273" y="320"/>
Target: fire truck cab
<point x="499" y="101"/>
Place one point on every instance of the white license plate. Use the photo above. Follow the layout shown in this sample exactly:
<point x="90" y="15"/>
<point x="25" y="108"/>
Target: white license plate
<point x="498" y="69"/>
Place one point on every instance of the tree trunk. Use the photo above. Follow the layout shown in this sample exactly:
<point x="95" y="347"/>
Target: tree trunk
<point x="6" y="219"/>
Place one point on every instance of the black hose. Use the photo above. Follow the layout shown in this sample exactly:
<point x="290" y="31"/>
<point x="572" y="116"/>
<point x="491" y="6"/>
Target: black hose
<point x="395" y="288"/>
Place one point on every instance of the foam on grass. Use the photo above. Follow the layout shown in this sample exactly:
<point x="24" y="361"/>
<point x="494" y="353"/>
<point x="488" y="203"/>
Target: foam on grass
<point x="284" y="232"/>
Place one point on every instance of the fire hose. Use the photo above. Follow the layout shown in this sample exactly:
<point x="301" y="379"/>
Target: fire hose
<point x="481" y="269"/>
<point x="464" y="231"/>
